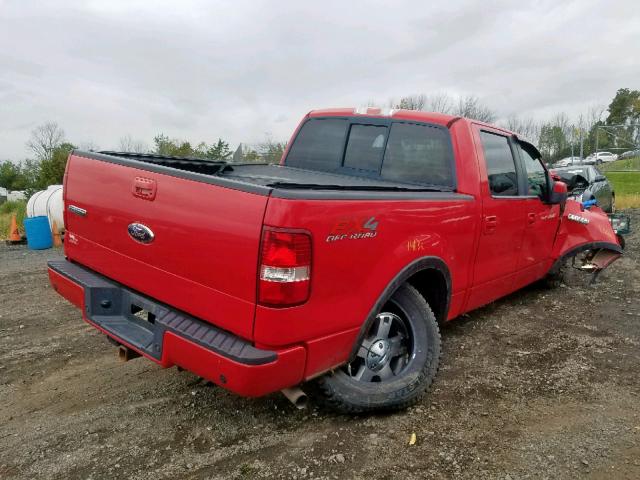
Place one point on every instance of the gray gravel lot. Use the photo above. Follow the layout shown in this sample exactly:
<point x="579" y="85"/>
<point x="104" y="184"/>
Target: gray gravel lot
<point x="542" y="384"/>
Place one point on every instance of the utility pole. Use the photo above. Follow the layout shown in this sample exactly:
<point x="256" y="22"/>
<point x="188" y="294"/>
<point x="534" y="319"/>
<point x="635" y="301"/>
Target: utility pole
<point x="581" y="144"/>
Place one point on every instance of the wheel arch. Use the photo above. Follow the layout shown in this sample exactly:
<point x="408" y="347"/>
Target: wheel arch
<point x="581" y="248"/>
<point x="430" y="276"/>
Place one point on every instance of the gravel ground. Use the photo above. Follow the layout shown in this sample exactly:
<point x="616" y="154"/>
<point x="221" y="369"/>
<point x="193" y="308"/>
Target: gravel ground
<point x="541" y="384"/>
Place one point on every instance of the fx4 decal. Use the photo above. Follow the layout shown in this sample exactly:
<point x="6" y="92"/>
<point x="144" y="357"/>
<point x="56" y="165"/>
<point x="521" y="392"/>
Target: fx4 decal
<point x="353" y="228"/>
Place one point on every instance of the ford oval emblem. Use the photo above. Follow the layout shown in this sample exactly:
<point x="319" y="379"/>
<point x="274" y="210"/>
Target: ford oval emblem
<point x="140" y="233"/>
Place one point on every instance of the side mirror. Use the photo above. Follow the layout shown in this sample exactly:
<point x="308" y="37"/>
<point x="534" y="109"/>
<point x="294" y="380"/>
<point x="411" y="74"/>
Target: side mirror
<point x="559" y="193"/>
<point x="600" y="178"/>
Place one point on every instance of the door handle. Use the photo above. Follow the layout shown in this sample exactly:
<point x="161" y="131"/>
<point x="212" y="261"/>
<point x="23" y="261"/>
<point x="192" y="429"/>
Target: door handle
<point x="531" y="218"/>
<point x="490" y="224"/>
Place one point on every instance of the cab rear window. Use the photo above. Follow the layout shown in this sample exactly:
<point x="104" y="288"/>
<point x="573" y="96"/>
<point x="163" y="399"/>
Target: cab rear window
<point x="389" y="150"/>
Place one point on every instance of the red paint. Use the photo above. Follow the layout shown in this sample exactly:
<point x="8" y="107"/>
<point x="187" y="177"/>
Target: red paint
<point x="249" y="381"/>
<point x="207" y="255"/>
<point x="328" y="352"/>
<point x="67" y="288"/>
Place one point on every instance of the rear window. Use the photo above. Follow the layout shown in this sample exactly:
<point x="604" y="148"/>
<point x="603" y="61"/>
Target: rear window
<point x="365" y="147"/>
<point x="395" y="151"/>
<point x="318" y="145"/>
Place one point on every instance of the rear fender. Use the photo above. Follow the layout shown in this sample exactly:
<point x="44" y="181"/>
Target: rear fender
<point x="581" y="229"/>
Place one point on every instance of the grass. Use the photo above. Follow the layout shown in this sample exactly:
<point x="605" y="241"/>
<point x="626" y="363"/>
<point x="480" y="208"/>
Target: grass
<point x="627" y="188"/>
<point x="19" y="207"/>
<point x="621" y="165"/>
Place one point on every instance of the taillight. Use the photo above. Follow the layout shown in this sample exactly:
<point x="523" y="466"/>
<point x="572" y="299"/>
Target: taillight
<point x="285" y="268"/>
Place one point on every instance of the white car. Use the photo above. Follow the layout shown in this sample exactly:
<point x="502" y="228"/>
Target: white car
<point x="601" y="157"/>
<point x="568" y="161"/>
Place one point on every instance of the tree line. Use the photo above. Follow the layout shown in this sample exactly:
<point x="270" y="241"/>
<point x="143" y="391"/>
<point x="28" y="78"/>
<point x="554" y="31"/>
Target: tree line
<point x="558" y="137"/>
<point x="50" y="149"/>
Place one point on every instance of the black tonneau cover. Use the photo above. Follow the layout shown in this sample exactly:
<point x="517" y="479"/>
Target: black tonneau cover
<point x="276" y="180"/>
<point x="290" y="177"/>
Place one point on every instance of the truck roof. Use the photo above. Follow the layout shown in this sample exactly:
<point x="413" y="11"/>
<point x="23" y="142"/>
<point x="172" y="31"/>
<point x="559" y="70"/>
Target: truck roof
<point x="417" y="115"/>
<point x="377" y="112"/>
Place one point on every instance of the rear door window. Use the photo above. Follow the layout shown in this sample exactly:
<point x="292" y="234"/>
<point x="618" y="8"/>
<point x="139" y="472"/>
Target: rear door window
<point x="418" y="154"/>
<point x="501" y="167"/>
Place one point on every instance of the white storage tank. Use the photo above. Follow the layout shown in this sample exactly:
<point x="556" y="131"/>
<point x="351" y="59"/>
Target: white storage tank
<point x="48" y="203"/>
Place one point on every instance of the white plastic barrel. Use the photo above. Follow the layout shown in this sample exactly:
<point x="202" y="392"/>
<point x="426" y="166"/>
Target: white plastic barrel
<point x="47" y="203"/>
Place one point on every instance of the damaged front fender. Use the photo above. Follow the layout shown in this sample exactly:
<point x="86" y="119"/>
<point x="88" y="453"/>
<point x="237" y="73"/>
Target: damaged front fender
<point x="585" y="231"/>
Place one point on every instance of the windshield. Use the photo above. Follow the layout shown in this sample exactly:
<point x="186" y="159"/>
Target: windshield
<point x="399" y="151"/>
<point x="576" y="178"/>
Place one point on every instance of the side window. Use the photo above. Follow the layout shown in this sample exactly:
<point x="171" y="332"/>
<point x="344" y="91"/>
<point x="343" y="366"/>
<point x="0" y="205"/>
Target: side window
<point x="501" y="167"/>
<point x="536" y="175"/>
<point x="418" y="154"/>
<point x="365" y="147"/>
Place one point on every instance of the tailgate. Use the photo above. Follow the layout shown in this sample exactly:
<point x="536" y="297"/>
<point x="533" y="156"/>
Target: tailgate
<point x="186" y="243"/>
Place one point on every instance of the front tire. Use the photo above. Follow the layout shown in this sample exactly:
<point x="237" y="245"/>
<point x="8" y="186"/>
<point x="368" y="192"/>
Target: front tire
<point x="554" y="280"/>
<point x="395" y="363"/>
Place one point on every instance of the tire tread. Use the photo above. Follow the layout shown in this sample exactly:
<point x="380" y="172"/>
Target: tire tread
<point x="331" y="398"/>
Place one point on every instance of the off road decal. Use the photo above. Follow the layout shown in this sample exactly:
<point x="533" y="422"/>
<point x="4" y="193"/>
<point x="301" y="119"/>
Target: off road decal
<point x="353" y="228"/>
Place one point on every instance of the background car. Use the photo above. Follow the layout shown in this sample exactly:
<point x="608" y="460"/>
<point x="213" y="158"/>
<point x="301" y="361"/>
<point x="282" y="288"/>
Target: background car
<point x="587" y="178"/>
<point x="600" y="157"/>
<point x="568" y="161"/>
<point x="629" y="154"/>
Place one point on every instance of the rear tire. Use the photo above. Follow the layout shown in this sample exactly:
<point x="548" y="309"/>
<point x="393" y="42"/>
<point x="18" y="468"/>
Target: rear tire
<point x="395" y="363"/>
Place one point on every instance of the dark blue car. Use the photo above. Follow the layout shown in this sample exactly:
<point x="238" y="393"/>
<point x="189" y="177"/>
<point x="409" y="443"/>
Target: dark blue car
<point x="587" y="178"/>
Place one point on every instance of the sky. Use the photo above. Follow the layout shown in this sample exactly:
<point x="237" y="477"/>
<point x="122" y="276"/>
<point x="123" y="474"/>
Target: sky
<point x="244" y="70"/>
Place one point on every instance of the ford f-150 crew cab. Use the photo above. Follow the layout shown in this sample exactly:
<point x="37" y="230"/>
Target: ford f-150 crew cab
<point x="337" y="266"/>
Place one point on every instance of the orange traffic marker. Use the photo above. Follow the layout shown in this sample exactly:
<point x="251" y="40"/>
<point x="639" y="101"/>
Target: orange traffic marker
<point x="14" y="233"/>
<point x="57" y="241"/>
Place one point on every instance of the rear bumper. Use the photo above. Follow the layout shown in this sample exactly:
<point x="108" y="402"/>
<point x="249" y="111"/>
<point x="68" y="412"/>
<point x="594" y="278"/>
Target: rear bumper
<point x="170" y="337"/>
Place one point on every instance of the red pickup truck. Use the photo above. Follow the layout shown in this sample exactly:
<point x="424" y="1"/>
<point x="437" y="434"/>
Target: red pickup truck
<point x="338" y="265"/>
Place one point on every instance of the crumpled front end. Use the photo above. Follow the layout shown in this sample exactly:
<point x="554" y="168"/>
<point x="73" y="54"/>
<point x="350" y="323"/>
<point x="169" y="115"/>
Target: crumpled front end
<point x="586" y="233"/>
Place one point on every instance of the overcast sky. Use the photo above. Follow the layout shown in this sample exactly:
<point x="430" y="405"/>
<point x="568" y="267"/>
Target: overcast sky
<point x="240" y="69"/>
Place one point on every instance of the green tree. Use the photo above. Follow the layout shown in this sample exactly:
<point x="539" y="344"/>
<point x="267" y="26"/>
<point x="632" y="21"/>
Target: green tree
<point x="250" y="155"/>
<point x="624" y="108"/>
<point x="172" y="148"/>
<point x="621" y="125"/>
<point x="180" y="148"/>
<point x="11" y="176"/>
<point x="219" y="150"/>
<point x="31" y="170"/>
<point x="51" y="170"/>
<point x="553" y="142"/>
<point x="272" y="151"/>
